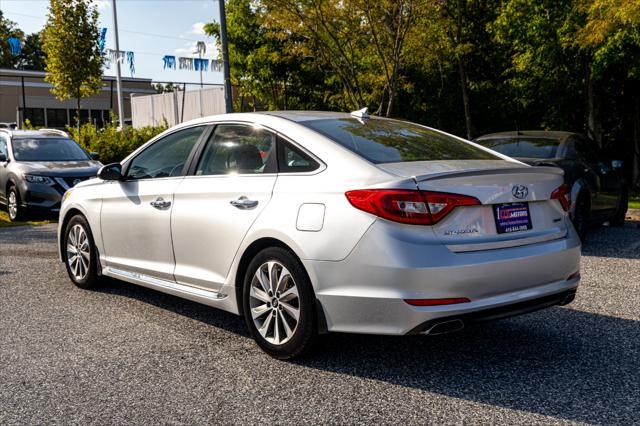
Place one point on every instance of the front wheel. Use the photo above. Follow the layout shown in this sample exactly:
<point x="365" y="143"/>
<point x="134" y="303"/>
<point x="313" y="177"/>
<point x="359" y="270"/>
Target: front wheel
<point x="80" y="253"/>
<point x="278" y="304"/>
<point x="14" y="209"/>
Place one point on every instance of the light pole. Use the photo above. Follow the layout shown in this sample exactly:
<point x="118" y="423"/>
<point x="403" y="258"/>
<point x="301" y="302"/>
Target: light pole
<point x="228" y="104"/>
<point x="118" y="76"/>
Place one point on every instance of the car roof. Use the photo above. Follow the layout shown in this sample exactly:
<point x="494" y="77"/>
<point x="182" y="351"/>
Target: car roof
<point x="299" y="116"/>
<point x="550" y="134"/>
<point x="40" y="133"/>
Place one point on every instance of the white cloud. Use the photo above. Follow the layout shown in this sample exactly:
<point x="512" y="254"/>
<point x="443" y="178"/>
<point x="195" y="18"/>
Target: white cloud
<point x="189" y="48"/>
<point x="198" y="28"/>
<point x="102" y="4"/>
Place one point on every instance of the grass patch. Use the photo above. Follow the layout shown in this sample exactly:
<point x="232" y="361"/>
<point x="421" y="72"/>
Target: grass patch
<point x="634" y="201"/>
<point x="5" y="223"/>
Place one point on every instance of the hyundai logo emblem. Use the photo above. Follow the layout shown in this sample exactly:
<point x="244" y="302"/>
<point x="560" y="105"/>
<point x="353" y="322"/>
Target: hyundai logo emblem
<point x="520" y="191"/>
<point x="77" y="181"/>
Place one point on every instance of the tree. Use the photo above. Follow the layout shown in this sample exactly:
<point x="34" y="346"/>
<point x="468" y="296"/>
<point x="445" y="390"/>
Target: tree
<point x="32" y="56"/>
<point x="71" y="43"/>
<point x="610" y="36"/>
<point x="8" y="29"/>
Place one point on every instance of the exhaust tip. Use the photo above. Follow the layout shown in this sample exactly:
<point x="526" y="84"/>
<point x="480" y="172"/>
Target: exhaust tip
<point x="445" y="327"/>
<point x="568" y="299"/>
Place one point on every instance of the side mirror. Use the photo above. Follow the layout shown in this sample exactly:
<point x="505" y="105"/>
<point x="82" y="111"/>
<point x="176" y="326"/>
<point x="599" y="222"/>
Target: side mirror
<point x="617" y="164"/>
<point x="94" y="156"/>
<point x="111" y="172"/>
<point x="3" y="157"/>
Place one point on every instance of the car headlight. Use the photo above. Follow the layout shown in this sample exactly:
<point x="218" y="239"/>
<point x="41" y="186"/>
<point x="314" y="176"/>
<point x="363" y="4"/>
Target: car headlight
<point x="67" y="194"/>
<point x="43" y="180"/>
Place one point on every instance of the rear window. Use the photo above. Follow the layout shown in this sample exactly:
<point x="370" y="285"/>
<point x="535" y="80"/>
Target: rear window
<point x="523" y="147"/>
<point x="47" y="149"/>
<point x="391" y="141"/>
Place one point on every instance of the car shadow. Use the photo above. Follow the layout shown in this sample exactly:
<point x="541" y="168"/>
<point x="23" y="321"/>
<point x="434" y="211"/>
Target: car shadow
<point x="560" y="362"/>
<point x="620" y="242"/>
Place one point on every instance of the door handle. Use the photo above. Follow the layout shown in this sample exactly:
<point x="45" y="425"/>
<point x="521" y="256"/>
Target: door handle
<point x="160" y="203"/>
<point x="243" y="203"/>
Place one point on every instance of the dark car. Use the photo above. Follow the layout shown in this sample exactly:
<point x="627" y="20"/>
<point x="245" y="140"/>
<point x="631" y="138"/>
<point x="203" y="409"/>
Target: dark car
<point x="598" y="191"/>
<point x="37" y="167"/>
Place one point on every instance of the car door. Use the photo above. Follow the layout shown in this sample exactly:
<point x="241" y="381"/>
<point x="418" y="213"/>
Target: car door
<point x="4" y="171"/>
<point x="598" y="174"/>
<point x="229" y="186"/>
<point x="136" y="212"/>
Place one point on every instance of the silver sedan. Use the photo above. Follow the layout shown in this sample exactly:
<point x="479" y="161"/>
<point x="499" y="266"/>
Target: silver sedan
<point x="315" y="222"/>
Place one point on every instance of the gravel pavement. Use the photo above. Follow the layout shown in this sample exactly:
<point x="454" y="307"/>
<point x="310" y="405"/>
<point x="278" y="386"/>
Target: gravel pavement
<point x="126" y="354"/>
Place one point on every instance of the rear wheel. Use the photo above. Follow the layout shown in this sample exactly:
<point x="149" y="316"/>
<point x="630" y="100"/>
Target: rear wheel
<point x="80" y="253"/>
<point x="621" y="211"/>
<point x="581" y="216"/>
<point x="278" y="304"/>
<point x="14" y="209"/>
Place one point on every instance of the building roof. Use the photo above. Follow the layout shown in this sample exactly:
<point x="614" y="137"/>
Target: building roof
<point x="9" y="72"/>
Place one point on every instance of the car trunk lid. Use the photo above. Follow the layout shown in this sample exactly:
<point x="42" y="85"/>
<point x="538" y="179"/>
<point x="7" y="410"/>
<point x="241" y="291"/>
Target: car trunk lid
<point x="516" y="206"/>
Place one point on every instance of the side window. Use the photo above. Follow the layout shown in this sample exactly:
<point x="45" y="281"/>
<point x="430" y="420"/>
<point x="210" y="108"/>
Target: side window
<point x="238" y="148"/>
<point x="166" y="157"/>
<point x="3" y="148"/>
<point x="292" y="159"/>
<point x="588" y="150"/>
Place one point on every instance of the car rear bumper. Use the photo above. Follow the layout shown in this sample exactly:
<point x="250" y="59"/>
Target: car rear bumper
<point x="366" y="292"/>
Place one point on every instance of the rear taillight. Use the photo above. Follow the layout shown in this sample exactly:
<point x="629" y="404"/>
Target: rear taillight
<point x="563" y="194"/>
<point x="408" y="206"/>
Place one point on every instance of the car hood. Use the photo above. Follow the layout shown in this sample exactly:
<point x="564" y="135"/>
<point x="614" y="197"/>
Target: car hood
<point x="62" y="168"/>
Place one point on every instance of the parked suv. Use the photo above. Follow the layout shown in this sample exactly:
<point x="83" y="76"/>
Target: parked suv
<point x="598" y="191"/>
<point x="37" y="167"/>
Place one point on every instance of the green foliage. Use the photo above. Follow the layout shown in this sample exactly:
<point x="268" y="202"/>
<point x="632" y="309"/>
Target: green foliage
<point x="71" y="43"/>
<point x="31" y="57"/>
<point x="112" y="144"/>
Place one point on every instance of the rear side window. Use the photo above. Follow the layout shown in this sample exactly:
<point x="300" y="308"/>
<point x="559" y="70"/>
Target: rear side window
<point x="293" y="160"/>
<point x="523" y="147"/>
<point x="238" y="149"/>
<point x="391" y="141"/>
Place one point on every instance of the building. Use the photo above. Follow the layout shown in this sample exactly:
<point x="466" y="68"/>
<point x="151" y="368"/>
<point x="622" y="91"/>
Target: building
<point x="26" y="95"/>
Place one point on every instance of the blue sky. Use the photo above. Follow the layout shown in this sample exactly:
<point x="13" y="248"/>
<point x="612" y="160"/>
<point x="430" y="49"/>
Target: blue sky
<point x="149" y="28"/>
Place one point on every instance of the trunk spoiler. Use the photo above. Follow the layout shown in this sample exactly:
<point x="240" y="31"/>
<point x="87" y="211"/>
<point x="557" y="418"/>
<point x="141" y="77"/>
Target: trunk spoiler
<point x="484" y="172"/>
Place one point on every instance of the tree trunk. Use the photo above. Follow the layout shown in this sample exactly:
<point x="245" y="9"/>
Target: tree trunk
<point x="635" y="156"/>
<point x="594" y="125"/>
<point x="465" y="97"/>
<point x="392" y="99"/>
<point x="78" y="114"/>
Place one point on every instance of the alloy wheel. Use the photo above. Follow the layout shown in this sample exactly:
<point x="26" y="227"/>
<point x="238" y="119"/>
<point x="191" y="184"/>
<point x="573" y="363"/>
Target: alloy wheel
<point x="13" y="205"/>
<point x="78" y="253"/>
<point x="275" y="303"/>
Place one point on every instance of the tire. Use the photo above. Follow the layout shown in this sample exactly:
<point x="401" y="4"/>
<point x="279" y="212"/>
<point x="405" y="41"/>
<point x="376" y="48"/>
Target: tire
<point x="582" y="216"/>
<point x="15" y="211"/>
<point x="621" y="212"/>
<point x="270" y="312"/>
<point x="78" y="239"/>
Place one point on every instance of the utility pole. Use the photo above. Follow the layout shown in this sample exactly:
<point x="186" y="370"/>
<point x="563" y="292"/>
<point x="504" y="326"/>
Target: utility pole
<point x="118" y="76"/>
<point x="228" y="104"/>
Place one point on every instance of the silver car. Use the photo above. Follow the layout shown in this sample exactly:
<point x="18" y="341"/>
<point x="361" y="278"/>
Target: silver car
<point x="314" y="222"/>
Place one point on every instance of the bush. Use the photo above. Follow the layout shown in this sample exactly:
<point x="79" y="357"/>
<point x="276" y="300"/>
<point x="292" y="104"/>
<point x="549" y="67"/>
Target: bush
<point x="112" y="144"/>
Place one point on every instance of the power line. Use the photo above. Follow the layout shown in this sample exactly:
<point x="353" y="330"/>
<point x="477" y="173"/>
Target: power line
<point x="40" y="18"/>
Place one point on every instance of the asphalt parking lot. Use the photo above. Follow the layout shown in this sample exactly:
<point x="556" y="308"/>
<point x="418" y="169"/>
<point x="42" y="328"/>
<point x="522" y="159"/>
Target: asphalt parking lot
<point x="125" y="354"/>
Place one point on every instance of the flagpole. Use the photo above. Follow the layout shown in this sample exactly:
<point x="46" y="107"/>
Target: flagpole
<point x="228" y="104"/>
<point x="118" y="75"/>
